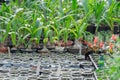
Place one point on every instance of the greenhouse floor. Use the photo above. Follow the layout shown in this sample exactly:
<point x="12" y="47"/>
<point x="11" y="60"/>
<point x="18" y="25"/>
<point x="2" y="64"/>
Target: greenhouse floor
<point x="47" y="66"/>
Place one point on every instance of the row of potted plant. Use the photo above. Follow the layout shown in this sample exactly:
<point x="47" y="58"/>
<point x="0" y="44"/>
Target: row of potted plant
<point x="29" y="23"/>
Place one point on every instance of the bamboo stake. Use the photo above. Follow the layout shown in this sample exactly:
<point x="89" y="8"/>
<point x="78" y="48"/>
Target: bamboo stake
<point x="9" y="52"/>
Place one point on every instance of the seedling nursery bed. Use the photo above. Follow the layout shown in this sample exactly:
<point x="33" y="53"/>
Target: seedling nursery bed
<point x="46" y="66"/>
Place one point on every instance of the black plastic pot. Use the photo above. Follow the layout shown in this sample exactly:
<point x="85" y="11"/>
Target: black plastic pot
<point x="36" y="49"/>
<point x="21" y="50"/>
<point x="26" y="50"/>
<point x="73" y="50"/>
<point x="116" y="29"/>
<point x="1" y="64"/>
<point x="43" y="77"/>
<point x="103" y="28"/>
<point x="4" y="71"/>
<point x="77" y="78"/>
<point x="65" y="78"/>
<point x="89" y="79"/>
<point x="86" y="64"/>
<point x="14" y="50"/>
<point x="54" y="78"/>
<point x="51" y="48"/>
<point x="88" y="74"/>
<point x="33" y="78"/>
<point x="91" y="28"/>
<point x="76" y="74"/>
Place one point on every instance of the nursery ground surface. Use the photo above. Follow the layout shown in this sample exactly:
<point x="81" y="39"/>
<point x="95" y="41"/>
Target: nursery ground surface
<point x="47" y="66"/>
